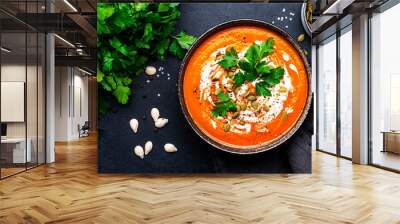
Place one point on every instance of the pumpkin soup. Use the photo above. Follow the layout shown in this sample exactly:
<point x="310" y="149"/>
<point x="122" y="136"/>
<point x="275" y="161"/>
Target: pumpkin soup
<point x="245" y="86"/>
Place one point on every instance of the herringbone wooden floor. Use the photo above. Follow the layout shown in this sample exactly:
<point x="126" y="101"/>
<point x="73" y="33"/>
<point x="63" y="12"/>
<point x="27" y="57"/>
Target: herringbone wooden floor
<point x="71" y="191"/>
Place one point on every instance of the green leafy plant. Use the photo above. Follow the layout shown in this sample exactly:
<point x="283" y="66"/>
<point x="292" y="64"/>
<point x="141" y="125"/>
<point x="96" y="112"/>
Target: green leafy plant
<point x="129" y="36"/>
<point x="223" y="105"/>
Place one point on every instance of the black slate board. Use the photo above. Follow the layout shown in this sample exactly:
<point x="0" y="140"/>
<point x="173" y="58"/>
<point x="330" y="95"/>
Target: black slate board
<point x="116" y="140"/>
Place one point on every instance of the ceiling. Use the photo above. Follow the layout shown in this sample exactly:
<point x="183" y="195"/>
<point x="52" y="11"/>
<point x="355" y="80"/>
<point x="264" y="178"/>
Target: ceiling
<point x="39" y="6"/>
<point x="73" y="21"/>
<point x="337" y="14"/>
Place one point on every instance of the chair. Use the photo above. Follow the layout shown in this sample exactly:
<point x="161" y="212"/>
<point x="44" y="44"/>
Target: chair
<point x="84" y="130"/>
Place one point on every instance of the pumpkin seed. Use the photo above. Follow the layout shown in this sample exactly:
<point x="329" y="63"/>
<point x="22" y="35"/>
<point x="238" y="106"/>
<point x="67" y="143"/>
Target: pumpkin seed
<point x="235" y="115"/>
<point x="251" y="98"/>
<point x="227" y="127"/>
<point x="242" y="122"/>
<point x="243" y="106"/>
<point x="266" y="108"/>
<point x="284" y="115"/>
<point x="300" y="38"/>
<point x="255" y="105"/>
<point x="305" y="52"/>
<point x="282" y="89"/>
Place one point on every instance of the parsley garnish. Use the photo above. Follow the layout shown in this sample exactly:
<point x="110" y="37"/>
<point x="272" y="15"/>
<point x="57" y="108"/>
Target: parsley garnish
<point x="223" y="105"/>
<point x="261" y="89"/>
<point x="230" y="59"/>
<point x="269" y="79"/>
<point x="239" y="78"/>
<point x="252" y="67"/>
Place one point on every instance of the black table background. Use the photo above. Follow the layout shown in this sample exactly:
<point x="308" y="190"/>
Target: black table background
<point x="116" y="140"/>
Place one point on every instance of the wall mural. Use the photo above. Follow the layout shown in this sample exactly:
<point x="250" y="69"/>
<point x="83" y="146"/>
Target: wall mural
<point x="204" y="88"/>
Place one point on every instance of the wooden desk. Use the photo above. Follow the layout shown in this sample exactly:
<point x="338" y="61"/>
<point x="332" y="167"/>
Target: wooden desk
<point x="19" y="155"/>
<point x="391" y="141"/>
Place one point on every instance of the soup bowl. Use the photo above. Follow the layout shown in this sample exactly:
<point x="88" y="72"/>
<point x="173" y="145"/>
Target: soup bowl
<point x="246" y="129"/>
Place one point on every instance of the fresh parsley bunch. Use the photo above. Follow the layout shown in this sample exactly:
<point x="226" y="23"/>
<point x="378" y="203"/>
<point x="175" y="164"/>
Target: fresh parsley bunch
<point x="129" y="36"/>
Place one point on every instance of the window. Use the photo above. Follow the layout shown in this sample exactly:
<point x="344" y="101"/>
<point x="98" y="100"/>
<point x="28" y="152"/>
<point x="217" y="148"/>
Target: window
<point x="22" y="101"/>
<point x="385" y="89"/>
<point x="334" y="106"/>
<point x="346" y="92"/>
<point x="326" y="87"/>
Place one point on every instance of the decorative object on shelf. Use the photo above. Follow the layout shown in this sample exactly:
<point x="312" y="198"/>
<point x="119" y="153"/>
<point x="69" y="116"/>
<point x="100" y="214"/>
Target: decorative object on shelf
<point x="306" y="16"/>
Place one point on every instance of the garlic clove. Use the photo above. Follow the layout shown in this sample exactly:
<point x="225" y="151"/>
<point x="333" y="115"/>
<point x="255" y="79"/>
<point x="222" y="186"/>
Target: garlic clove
<point x="161" y="122"/>
<point x="170" y="148"/>
<point x="139" y="151"/>
<point x="150" y="70"/>
<point x="155" y="114"/>
<point x="148" y="147"/>
<point x="134" y="125"/>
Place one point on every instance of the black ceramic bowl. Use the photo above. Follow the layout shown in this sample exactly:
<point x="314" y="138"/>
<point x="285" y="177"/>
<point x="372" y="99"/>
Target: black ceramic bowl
<point x="229" y="148"/>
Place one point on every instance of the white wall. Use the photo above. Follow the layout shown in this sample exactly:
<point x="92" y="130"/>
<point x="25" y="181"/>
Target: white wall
<point x="33" y="127"/>
<point x="80" y="110"/>
<point x="71" y="93"/>
<point x="61" y="103"/>
<point x="16" y="72"/>
<point x="13" y="101"/>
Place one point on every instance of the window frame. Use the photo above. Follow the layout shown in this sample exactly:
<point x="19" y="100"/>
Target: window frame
<point x="337" y="35"/>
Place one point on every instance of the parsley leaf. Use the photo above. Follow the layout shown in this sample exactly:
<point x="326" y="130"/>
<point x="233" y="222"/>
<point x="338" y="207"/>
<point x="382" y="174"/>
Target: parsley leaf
<point x="222" y="97"/>
<point x="180" y="44"/>
<point x="261" y="89"/>
<point x="246" y="66"/>
<point x="274" y="77"/>
<point x="223" y="105"/>
<point x="277" y="73"/>
<point x="124" y="18"/>
<point x="239" y="79"/>
<point x="163" y="7"/>
<point x="148" y="32"/>
<point x="122" y="94"/>
<point x="263" y="68"/>
<point x="107" y="61"/>
<point x="104" y="11"/>
<point x="266" y="47"/>
<point x="250" y="76"/>
<point x="122" y="48"/>
<point x="230" y="59"/>
<point x="100" y="75"/>
<point x="185" y="40"/>
<point x="176" y="50"/>
<point x="253" y="54"/>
